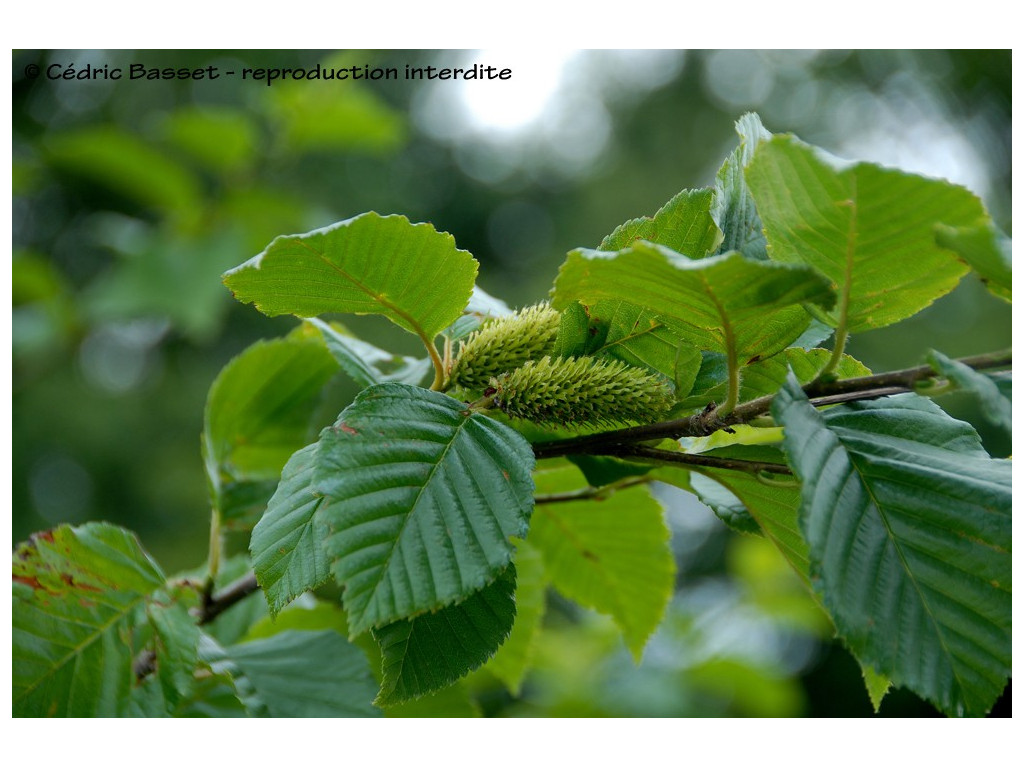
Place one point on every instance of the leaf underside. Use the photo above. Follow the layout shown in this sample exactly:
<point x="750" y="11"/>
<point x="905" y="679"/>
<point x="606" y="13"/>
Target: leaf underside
<point x="727" y="303"/>
<point x="870" y="230"/>
<point x="612" y="556"/>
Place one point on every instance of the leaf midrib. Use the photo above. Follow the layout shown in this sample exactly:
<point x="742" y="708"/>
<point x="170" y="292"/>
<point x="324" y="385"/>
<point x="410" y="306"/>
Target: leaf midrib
<point x="408" y="516"/>
<point x="76" y="651"/>
<point x="379" y="298"/>
<point x="862" y="477"/>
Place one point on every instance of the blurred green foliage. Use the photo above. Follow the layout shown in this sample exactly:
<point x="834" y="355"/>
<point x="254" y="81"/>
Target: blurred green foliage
<point x="131" y="198"/>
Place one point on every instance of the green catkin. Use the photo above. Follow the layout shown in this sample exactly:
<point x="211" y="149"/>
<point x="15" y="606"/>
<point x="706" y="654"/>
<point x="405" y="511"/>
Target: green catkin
<point x="581" y="391"/>
<point x="504" y="344"/>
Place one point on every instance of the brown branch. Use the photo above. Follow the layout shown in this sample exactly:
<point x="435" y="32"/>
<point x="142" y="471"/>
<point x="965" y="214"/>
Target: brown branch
<point x="590" y="492"/>
<point x="708" y="421"/>
<point x="214" y="605"/>
<point x="144" y="664"/>
<point x="700" y="460"/>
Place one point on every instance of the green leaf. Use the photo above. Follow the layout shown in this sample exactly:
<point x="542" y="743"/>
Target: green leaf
<point x="175" y="642"/>
<point x="618" y="330"/>
<point x="424" y="497"/>
<point x="214" y="695"/>
<point x="908" y="523"/>
<point x="869" y="229"/>
<point x="126" y="164"/>
<point x="683" y="224"/>
<point x="433" y="650"/>
<point x="453" y="701"/>
<point x="729" y="509"/>
<point x="877" y="685"/>
<point x="348" y="120"/>
<point x="764" y="377"/>
<point x="724" y="304"/>
<point x="733" y="209"/>
<point x="371" y="264"/>
<point x="748" y="503"/>
<point x="1004" y="383"/>
<point x="366" y="364"/>
<point x="604" y="470"/>
<point x="304" y="615"/>
<point x="513" y="659"/>
<point x="287" y="543"/>
<point x="169" y="276"/>
<point x="87" y="602"/>
<point x="986" y="250"/>
<point x="221" y="139"/>
<point x="482" y="306"/>
<point x="258" y="413"/>
<point x="995" y="405"/>
<point x="297" y="674"/>
<point x="611" y="555"/>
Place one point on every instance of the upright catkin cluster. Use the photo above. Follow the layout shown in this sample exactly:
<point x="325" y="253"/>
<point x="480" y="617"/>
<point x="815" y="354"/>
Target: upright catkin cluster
<point x="581" y="391"/>
<point x="504" y="344"/>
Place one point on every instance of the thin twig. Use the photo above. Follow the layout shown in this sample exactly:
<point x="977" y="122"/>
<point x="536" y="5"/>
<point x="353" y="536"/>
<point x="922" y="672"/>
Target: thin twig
<point x="701" y="460"/>
<point x="709" y="420"/>
<point x="214" y="605"/>
<point x="590" y="492"/>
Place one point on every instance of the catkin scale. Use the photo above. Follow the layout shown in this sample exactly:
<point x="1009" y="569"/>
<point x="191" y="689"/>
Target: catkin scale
<point x="504" y="344"/>
<point x="581" y="391"/>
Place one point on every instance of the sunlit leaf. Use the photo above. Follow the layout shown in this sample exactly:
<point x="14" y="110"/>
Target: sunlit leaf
<point x="353" y="118"/>
<point x="764" y="377"/>
<point x="220" y="138"/>
<point x="370" y="264"/>
<point x="684" y="224"/>
<point x="750" y="504"/>
<point x="512" y="661"/>
<point x="986" y="250"/>
<point x="126" y="164"/>
<point x="611" y="555"/>
<point x="619" y="330"/>
<point x="725" y="304"/>
<point x="869" y="229"/>
<point x="877" y="686"/>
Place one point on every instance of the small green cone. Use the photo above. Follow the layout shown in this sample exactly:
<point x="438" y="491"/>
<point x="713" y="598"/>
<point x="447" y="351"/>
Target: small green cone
<point x="504" y="344"/>
<point x="580" y="392"/>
